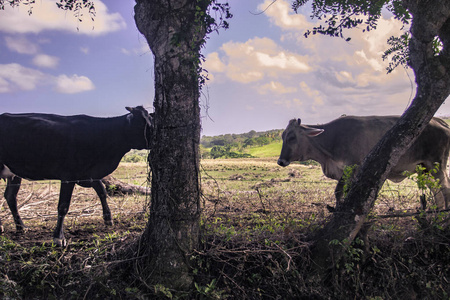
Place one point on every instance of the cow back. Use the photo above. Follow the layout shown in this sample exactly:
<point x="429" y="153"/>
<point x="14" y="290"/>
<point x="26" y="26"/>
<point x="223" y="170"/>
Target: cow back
<point x="45" y="146"/>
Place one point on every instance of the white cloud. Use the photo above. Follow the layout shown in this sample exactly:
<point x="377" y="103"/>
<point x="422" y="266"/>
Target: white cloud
<point x="344" y="77"/>
<point x="213" y="63"/>
<point x="125" y="51"/>
<point x="136" y="51"/>
<point x="21" y="45"/>
<point x="16" y="77"/>
<point x="282" y="61"/>
<point x="85" y="50"/>
<point x="47" y="16"/>
<point x="281" y="14"/>
<point x="314" y="94"/>
<point x="46" y="61"/>
<point x="276" y="88"/>
<point x="255" y="60"/>
<point x="74" y="84"/>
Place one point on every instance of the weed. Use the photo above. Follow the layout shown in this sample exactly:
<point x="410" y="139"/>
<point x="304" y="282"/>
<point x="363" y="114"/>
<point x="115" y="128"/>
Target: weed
<point x="347" y="177"/>
<point x="427" y="184"/>
<point x="209" y="291"/>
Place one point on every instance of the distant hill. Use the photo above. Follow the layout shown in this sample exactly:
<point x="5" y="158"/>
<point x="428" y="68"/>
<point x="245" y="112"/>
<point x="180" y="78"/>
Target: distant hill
<point x="250" y="144"/>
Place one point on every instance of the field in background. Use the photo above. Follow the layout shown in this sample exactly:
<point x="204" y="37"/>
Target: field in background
<point x="271" y="150"/>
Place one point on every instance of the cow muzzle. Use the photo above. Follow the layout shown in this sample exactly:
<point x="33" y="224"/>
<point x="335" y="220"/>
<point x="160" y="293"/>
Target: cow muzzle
<point x="283" y="163"/>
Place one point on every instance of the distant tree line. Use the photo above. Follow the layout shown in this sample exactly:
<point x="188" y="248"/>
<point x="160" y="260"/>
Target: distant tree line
<point x="221" y="146"/>
<point x="232" y="145"/>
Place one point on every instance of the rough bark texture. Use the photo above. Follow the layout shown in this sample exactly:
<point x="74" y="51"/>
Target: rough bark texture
<point x="175" y="36"/>
<point x="430" y="18"/>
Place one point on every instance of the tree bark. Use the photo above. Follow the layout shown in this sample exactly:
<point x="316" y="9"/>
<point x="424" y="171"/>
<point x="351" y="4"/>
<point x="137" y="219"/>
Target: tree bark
<point x="432" y="73"/>
<point x="175" y="35"/>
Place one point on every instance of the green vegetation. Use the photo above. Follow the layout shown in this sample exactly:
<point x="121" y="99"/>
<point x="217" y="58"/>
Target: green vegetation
<point x="246" y="145"/>
<point x="134" y="156"/>
<point x="271" y="150"/>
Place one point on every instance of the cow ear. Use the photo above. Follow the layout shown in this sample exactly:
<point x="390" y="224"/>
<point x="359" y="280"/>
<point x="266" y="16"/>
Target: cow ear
<point x="299" y="121"/>
<point x="313" y="131"/>
<point x="130" y="109"/>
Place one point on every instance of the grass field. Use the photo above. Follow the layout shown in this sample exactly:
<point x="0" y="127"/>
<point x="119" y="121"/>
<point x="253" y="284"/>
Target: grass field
<point x="255" y="223"/>
<point x="271" y="150"/>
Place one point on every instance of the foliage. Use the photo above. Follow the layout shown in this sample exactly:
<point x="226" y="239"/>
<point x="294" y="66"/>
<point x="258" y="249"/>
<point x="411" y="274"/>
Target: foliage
<point x="339" y="15"/>
<point x="399" y="51"/>
<point x="237" y="145"/>
<point x="77" y="6"/>
<point x="251" y="138"/>
<point x="225" y="152"/>
<point x="349" y="172"/>
<point x="135" y="156"/>
<point x="213" y="15"/>
<point x="347" y="14"/>
<point x="425" y="180"/>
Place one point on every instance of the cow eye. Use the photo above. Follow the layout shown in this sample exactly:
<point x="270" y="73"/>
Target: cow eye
<point x="291" y="139"/>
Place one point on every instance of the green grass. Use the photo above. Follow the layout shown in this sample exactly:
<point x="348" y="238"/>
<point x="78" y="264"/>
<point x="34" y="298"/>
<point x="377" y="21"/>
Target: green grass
<point x="270" y="150"/>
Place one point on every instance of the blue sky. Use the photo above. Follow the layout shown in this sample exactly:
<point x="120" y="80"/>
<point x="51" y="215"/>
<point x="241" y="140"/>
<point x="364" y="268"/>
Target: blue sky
<point x="262" y="70"/>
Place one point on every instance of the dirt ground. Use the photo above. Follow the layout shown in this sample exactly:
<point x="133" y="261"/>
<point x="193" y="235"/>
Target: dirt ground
<point x="255" y="222"/>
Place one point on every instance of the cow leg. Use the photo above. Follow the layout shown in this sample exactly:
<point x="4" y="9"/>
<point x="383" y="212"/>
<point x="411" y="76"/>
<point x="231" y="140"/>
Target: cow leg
<point x="101" y="192"/>
<point x="442" y="196"/>
<point x="339" y="191"/>
<point x="65" y="195"/>
<point x="12" y="188"/>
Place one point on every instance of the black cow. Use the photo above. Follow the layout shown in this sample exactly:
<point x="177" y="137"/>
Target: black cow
<point x="347" y="141"/>
<point x="74" y="149"/>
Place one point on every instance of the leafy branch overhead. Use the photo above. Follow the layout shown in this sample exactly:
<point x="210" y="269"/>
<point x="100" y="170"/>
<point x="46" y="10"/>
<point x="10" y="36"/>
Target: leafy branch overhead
<point x="339" y="15"/>
<point x="77" y="6"/>
<point x="347" y="14"/>
<point x="214" y="20"/>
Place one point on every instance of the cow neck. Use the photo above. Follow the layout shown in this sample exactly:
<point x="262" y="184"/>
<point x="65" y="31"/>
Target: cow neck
<point x="315" y="141"/>
<point x="330" y="167"/>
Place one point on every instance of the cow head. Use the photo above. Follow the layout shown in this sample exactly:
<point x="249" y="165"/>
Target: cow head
<point x="295" y="142"/>
<point x="141" y="123"/>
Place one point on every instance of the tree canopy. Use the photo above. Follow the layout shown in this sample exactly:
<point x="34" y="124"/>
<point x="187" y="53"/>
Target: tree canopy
<point x="341" y="15"/>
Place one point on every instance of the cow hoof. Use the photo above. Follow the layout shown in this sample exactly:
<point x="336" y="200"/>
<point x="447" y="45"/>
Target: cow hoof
<point x="60" y="242"/>
<point x="109" y="222"/>
<point x="2" y="229"/>
<point x="331" y="209"/>
<point x="21" y="229"/>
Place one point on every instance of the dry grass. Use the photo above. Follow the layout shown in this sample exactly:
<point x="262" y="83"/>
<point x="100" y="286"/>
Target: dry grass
<point x="256" y="221"/>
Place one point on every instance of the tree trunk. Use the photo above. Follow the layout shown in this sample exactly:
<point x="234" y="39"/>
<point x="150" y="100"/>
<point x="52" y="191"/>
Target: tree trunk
<point x="432" y="72"/>
<point x="175" y="36"/>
